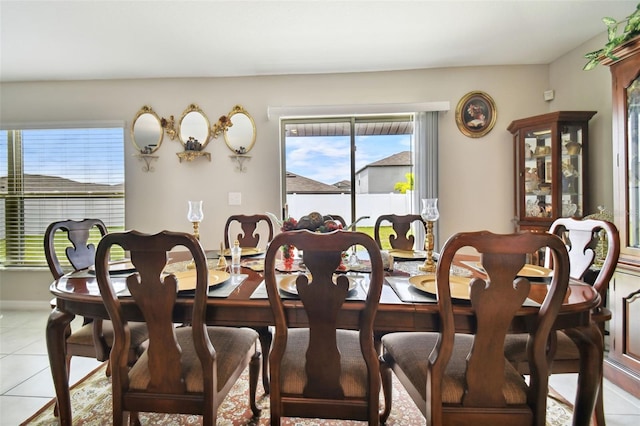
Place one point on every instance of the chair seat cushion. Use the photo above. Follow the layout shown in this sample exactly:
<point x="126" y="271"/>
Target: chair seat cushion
<point x="515" y="348"/>
<point x="231" y="345"/>
<point x="84" y="335"/>
<point x="353" y="375"/>
<point x="410" y="352"/>
<point x="139" y="333"/>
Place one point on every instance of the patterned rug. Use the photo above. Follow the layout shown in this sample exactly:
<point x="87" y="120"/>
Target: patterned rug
<point x="91" y="406"/>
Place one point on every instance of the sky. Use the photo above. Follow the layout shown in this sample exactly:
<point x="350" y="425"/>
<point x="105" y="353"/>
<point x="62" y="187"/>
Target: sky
<point x="326" y="159"/>
<point x="91" y="155"/>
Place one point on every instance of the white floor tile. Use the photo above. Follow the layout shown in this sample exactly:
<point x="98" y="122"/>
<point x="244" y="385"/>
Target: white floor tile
<point x="15" y="369"/>
<point x="14" y="410"/>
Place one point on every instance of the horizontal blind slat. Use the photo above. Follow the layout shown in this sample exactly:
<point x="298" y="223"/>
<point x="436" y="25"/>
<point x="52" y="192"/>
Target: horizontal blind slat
<point x="48" y="175"/>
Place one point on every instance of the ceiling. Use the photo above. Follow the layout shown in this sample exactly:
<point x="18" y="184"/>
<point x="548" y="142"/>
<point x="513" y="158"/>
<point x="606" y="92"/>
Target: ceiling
<point x="85" y="40"/>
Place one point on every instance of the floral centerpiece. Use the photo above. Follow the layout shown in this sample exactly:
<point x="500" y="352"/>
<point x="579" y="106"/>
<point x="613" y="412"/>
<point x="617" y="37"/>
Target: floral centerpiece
<point x="314" y="221"/>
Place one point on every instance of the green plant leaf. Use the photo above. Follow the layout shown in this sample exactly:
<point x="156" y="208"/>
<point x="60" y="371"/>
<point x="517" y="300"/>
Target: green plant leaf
<point x="591" y="64"/>
<point x="631" y="29"/>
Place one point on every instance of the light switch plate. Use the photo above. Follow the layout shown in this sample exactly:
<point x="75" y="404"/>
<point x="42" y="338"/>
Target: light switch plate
<point x="235" y="198"/>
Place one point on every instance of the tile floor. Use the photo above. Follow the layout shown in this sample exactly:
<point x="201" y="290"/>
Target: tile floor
<point x="26" y="385"/>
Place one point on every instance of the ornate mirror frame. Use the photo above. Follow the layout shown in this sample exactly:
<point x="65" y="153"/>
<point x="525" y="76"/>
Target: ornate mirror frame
<point x="146" y="131"/>
<point x="194" y="133"/>
<point x="240" y="132"/>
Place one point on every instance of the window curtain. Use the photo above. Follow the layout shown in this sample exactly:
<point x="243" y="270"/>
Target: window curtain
<point x="425" y="165"/>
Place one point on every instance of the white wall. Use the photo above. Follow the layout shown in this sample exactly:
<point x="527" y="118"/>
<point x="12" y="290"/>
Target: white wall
<point x="476" y="175"/>
<point x="589" y="91"/>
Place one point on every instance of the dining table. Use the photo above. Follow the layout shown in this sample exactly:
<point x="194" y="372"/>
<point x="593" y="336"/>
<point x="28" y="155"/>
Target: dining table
<point x="241" y="300"/>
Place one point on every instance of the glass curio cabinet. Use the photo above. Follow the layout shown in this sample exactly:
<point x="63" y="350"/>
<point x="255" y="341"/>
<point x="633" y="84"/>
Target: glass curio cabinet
<point x="622" y="362"/>
<point x="550" y="167"/>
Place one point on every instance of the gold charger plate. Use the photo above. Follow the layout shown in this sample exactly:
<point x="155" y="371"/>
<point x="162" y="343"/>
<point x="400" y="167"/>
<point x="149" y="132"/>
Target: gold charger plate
<point x="288" y="284"/>
<point x="427" y="283"/>
<point x="528" y="270"/>
<point x="534" y="271"/>
<point x="246" y="251"/>
<point x="123" y="266"/>
<point x="187" y="279"/>
<point x="408" y="254"/>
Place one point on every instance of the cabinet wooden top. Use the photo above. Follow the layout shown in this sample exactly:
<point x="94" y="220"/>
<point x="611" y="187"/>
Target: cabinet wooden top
<point x="549" y="118"/>
<point x="624" y="51"/>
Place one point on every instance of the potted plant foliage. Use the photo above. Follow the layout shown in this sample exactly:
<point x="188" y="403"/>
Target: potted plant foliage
<point x="631" y="29"/>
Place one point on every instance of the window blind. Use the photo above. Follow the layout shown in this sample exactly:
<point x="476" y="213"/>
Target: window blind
<point x="48" y="175"/>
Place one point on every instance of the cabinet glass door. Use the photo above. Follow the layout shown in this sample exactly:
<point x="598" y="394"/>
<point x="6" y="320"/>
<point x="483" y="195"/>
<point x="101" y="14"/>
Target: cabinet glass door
<point x="572" y="170"/>
<point x="538" y="173"/>
<point x="633" y="159"/>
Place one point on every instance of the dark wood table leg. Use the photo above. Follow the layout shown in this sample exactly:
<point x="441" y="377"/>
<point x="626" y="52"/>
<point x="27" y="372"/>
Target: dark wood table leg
<point x="590" y="343"/>
<point x="57" y="326"/>
<point x="265" y="343"/>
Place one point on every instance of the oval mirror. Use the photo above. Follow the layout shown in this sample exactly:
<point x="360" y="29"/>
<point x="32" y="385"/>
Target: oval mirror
<point x="193" y="128"/>
<point x="146" y="131"/>
<point x="240" y="135"/>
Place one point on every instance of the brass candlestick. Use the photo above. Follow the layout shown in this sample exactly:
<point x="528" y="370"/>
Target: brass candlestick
<point x="429" y="265"/>
<point x="429" y="214"/>
<point x="196" y="229"/>
<point x="222" y="262"/>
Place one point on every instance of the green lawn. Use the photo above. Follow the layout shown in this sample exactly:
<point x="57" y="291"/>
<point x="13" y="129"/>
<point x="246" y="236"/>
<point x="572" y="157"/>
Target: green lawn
<point x="35" y="251"/>
<point x="34" y="248"/>
<point x="385" y="231"/>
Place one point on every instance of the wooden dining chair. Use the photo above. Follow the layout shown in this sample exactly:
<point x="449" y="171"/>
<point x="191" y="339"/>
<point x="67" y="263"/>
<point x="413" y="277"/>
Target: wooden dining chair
<point x="94" y="339"/>
<point x="256" y="230"/>
<point x="459" y="378"/>
<point x="401" y="224"/>
<point x="319" y="370"/>
<point x="581" y="238"/>
<point x="187" y="370"/>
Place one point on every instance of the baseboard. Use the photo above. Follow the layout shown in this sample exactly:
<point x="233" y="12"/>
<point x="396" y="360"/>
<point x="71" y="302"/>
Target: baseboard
<point x="25" y="305"/>
<point x="622" y="376"/>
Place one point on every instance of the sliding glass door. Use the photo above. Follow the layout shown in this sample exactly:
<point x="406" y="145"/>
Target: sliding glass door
<point x="348" y="166"/>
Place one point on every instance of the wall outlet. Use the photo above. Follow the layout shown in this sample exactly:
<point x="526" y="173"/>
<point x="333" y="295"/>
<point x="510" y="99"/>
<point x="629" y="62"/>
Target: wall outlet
<point x="235" y="198"/>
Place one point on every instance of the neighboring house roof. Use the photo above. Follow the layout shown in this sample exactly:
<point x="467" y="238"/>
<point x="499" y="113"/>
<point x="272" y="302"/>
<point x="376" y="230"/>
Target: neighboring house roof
<point x="399" y="159"/>
<point x="300" y="185"/>
<point x="344" y="185"/>
<point x="45" y="183"/>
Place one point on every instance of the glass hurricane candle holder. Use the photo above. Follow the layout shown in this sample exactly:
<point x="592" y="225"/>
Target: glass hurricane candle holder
<point x="429" y="214"/>
<point x="195" y="216"/>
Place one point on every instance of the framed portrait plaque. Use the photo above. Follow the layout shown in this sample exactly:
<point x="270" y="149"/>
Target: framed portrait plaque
<point x="476" y="114"/>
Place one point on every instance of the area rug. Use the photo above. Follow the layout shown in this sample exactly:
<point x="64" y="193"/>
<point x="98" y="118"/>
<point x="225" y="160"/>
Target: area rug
<point x="91" y="406"/>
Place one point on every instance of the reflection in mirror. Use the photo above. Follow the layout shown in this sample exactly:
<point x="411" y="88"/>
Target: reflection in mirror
<point x="240" y="133"/>
<point x="193" y="129"/>
<point x="146" y="131"/>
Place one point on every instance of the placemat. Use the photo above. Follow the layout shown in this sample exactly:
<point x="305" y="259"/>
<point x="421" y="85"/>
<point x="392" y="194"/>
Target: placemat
<point x="407" y="293"/>
<point x="358" y="293"/>
<point x="221" y="290"/>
